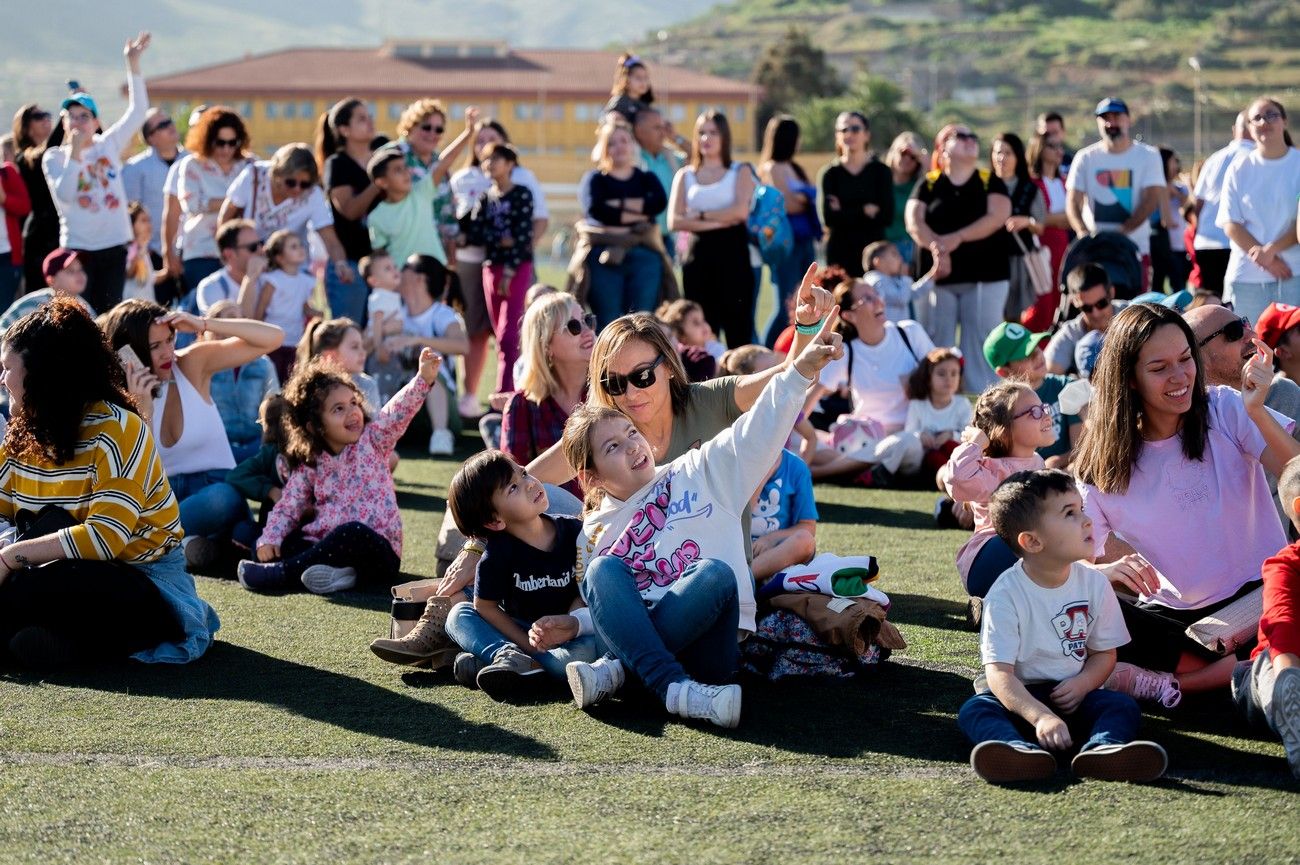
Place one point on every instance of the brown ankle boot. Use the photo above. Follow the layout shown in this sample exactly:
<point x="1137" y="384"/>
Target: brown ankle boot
<point x="427" y="645"/>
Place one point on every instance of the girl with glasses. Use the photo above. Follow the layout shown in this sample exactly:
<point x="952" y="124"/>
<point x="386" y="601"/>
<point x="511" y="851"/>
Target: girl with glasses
<point x="857" y="194"/>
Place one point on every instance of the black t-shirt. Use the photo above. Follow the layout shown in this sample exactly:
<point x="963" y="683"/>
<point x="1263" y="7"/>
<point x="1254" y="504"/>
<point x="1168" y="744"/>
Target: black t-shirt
<point x="343" y="170"/>
<point x="527" y="582"/>
<point x="951" y="208"/>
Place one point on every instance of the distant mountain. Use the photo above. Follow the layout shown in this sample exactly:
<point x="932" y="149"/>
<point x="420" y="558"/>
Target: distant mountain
<point x="52" y="41"/>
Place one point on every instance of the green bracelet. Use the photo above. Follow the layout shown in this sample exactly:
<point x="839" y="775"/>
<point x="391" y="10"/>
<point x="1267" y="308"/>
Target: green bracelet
<point x="809" y="329"/>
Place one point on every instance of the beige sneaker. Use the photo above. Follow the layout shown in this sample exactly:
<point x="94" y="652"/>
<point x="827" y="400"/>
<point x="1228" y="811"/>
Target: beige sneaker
<point x="427" y="645"/>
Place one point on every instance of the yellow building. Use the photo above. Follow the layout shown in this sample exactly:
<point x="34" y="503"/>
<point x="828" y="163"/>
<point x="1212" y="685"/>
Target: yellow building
<point x="549" y="100"/>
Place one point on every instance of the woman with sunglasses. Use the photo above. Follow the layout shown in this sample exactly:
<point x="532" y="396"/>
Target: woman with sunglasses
<point x="85" y="178"/>
<point x="468" y="186"/>
<point x="857" y="194"/>
<point x="284" y="193"/>
<point x="1046" y="150"/>
<point x="1258" y="213"/>
<point x="556" y="344"/>
<point x="1178" y="471"/>
<point x="218" y="152"/>
<point x="419" y="132"/>
<point x="34" y="132"/>
<point x="906" y="161"/>
<point x="960" y="211"/>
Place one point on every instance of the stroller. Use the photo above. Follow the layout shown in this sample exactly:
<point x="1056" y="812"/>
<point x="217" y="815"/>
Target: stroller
<point x="1113" y="251"/>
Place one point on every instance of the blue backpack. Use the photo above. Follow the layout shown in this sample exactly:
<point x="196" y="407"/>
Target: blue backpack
<point x="769" y="227"/>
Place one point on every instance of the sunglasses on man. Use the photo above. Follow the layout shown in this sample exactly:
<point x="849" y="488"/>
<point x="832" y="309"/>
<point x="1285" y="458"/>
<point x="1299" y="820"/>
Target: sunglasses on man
<point x="616" y="384"/>
<point x="1086" y="308"/>
<point x="162" y="124"/>
<point x="1233" y="331"/>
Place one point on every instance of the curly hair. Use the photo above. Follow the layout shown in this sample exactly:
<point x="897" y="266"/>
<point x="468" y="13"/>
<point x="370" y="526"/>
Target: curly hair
<point x="67" y="368"/>
<point x="202" y="136"/>
<point x="304" y="402"/>
<point x="417" y="111"/>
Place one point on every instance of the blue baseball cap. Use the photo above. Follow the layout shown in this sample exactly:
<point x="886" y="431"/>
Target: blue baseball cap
<point x="1111" y="105"/>
<point x="82" y="98"/>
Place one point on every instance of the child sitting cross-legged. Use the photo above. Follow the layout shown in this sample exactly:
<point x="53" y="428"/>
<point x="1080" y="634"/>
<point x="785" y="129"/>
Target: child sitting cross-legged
<point x="1051" y="627"/>
<point x="525" y="592"/>
<point x="342" y="480"/>
<point x="783" y="518"/>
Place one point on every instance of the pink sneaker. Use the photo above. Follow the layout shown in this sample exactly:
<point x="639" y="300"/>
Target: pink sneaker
<point x="1143" y="684"/>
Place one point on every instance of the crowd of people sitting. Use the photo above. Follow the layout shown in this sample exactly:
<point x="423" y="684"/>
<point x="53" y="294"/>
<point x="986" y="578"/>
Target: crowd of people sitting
<point x="209" y="360"/>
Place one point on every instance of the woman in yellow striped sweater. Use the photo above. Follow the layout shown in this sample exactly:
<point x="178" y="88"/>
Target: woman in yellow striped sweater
<point x="111" y="583"/>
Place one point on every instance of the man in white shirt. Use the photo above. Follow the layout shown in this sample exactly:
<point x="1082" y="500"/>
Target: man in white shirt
<point x="145" y="173"/>
<point x="1117" y="183"/>
<point x="1211" y="244"/>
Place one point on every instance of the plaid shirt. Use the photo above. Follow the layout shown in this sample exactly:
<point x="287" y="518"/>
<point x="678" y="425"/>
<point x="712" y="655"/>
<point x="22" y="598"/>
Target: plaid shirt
<point x="529" y="428"/>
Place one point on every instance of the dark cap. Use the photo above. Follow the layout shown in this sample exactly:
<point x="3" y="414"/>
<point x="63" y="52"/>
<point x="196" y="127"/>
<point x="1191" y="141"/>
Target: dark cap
<point x="55" y="262"/>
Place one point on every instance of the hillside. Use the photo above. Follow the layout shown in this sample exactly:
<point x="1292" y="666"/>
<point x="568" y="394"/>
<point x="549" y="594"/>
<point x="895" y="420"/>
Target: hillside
<point x="996" y="63"/>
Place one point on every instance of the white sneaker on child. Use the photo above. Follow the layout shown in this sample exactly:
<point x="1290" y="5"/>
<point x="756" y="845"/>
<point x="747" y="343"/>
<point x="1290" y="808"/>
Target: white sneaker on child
<point x="441" y="443"/>
<point x="1143" y="684"/>
<point x="591" y="683"/>
<point x="326" y="579"/>
<point x="717" y="703"/>
<point x="1285" y="714"/>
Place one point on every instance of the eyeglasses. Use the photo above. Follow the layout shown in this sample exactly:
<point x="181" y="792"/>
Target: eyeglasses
<point x="1054" y="145"/>
<point x="1086" y="308"/>
<point x="965" y="136"/>
<point x="1037" y="412"/>
<point x="575" y="325"/>
<point x="226" y="142"/>
<point x="249" y="247"/>
<point x="845" y="130"/>
<point x="1233" y="331"/>
<point x="295" y="183"/>
<point x="864" y="300"/>
<point x="429" y="127"/>
<point x="616" y="384"/>
<point x="1266" y="117"/>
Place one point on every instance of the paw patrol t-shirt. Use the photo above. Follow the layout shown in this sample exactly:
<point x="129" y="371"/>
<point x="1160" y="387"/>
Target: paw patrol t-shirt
<point x="1048" y="633"/>
<point x="786" y="498"/>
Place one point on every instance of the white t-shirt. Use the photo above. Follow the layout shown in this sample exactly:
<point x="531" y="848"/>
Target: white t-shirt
<point x="383" y="301"/>
<point x="292" y="291"/>
<point x="922" y="416"/>
<point x="1205" y="525"/>
<point x="434" y="322"/>
<point x="198" y="183"/>
<point x="1113" y="184"/>
<point x="1048" y="633"/>
<point x="1055" y="194"/>
<point x="294" y="213"/>
<point x="1209" y="189"/>
<point x="1260" y="194"/>
<point x="878" y="373"/>
<point x="214" y="287"/>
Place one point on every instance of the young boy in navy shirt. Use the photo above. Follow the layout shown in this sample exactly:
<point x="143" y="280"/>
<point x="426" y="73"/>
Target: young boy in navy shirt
<point x="526" y="621"/>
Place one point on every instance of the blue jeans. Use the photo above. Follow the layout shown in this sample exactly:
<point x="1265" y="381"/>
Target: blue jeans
<point x="632" y="286"/>
<point x="210" y="507"/>
<point x="1107" y="717"/>
<point x="690" y="633"/>
<point x="10" y="274"/>
<point x="347" y="300"/>
<point x="1250" y="298"/>
<point x="785" y="280"/>
<point x="473" y="634"/>
<point x="562" y="502"/>
<point x="991" y="562"/>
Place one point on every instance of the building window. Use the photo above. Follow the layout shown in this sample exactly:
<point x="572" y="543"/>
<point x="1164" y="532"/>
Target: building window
<point x="245" y="109"/>
<point x="555" y="111"/>
<point x="395" y="110"/>
<point x="738" y="114"/>
<point x="272" y="110"/>
<point x="676" y="112"/>
<point x="289" y="111"/>
<point x="527" y="111"/>
<point x="308" y="109"/>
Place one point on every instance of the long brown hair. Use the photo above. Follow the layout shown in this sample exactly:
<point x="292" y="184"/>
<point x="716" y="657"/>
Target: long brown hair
<point x="918" y="383"/>
<point x="724" y="132"/>
<point x="1109" y="449"/>
<point x="636" y="327"/>
<point x="328" y="139"/>
<point x="578" y="448"/>
<point x="995" y="413"/>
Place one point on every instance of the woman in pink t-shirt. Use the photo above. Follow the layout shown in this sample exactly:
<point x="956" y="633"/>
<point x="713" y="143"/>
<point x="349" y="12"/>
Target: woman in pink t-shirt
<point x="1174" y="483"/>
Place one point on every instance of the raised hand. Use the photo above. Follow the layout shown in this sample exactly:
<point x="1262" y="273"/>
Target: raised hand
<point x="135" y="47"/>
<point x="430" y="363"/>
<point x="813" y="302"/>
<point x="826" y="346"/>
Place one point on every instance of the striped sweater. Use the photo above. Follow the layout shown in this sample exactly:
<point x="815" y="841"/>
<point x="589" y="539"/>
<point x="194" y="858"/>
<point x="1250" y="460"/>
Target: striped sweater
<point x="114" y="486"/>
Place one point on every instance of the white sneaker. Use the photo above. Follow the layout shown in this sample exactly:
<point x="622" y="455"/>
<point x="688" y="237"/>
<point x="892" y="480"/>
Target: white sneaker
<point x="1285" y="714"/>
<point x="442" y="443"/>
<point x="717" y="703"/>
<point x="468" y="406"/>
<point x="325" y="579"/>
<point x="591" y="683"/>
<point x="1143" y="684"/>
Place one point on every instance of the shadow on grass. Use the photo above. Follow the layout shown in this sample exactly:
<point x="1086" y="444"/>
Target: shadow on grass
<point x="236" y="673"/>
<point x="927" y="611"/>
<point x="867" y="516"/>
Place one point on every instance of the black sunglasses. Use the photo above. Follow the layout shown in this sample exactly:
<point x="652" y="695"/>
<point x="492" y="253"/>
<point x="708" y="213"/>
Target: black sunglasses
<point x="965" y="136"/>
<point x="295" y="183"/>
<point x="161" y="125"/>
<point x="1233" y="331"/>
<point x="249" y="247"/>
<point x="1086" y="308"/>
<point x="616" y="384"/>
<point x="225" y="142"/>
<point x="429" y="127"/>
<point x="844" y="130"/>
<point x="38" y="115"/>
<point x="575" y="326"/>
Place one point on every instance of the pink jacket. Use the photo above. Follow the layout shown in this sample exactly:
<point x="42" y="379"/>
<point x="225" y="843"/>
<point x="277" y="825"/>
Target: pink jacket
<point x="354" y="484"/>
<point x="972" y="477"/>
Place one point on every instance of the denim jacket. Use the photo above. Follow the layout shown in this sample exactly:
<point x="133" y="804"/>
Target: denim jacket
<point x="238" y="394"/>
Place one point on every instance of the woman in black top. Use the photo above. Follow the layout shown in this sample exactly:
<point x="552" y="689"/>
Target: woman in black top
<point x="959" y="211"/>
<point x="34" y="130"/>
<point x="342" y="150"/>
<point x="624" y="199"/>
<point x="1027" y="217"/>
<point x="857" y="194"/>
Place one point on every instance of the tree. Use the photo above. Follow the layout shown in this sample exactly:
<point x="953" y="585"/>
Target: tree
<point x="878" y="98"/>
<point x="791" y="71"/>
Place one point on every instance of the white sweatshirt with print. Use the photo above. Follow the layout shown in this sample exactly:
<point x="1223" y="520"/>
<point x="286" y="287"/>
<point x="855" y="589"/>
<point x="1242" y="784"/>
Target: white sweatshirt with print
<point x="691" y="510"/>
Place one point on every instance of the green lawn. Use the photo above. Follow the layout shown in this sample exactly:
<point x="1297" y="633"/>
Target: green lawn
<point x="289" y="741"/>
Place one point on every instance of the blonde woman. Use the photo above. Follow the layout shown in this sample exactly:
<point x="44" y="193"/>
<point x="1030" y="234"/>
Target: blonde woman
<point x="906" y="159"/>
<point x="420" y="130"/>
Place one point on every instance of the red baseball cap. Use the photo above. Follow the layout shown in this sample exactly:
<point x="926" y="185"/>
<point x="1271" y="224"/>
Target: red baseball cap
<point x="1275" y="321"/>
<point x="55" y="262"/>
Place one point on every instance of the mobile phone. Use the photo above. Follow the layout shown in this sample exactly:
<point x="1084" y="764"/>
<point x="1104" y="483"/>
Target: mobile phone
<point x="129" y="357"/>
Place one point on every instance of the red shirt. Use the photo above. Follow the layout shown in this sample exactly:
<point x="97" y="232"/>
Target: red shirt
<point x="1279" y="626"/>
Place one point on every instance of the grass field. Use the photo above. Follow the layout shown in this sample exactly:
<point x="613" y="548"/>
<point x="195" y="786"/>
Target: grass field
<point x="290" y="742"/>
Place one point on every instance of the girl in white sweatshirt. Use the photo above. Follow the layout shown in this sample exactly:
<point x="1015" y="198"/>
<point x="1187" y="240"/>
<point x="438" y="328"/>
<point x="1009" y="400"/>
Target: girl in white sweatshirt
<point x="661" y="561"/>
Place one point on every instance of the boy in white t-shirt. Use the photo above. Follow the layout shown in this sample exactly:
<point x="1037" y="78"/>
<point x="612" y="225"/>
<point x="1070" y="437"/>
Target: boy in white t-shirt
<point x="384" y="305"/>
<point x="1049" y="632"/>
